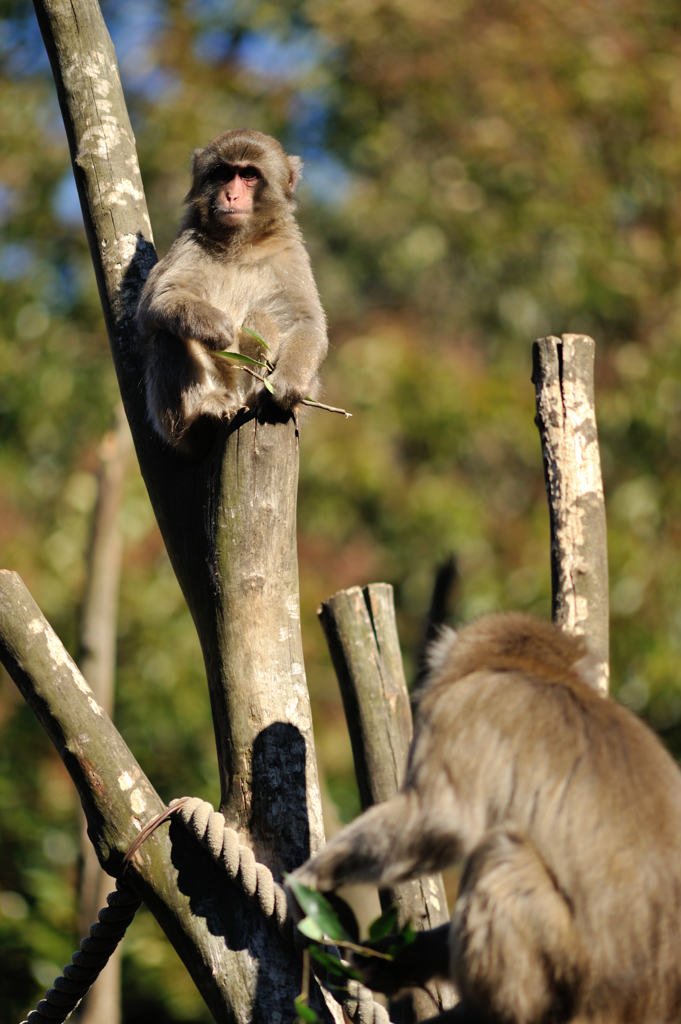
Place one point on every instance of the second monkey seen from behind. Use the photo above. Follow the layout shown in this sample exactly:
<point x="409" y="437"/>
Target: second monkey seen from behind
<point x="238" y="264"/>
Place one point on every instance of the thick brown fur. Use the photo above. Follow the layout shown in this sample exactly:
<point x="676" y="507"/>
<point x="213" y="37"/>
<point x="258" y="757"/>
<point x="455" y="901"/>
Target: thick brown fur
<point x="231" y="266"/>
<point x="565" y="812"/>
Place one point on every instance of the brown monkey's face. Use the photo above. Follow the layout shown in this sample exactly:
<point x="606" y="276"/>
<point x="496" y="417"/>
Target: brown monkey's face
<point x="242" y="184"/>
<point x="236" y="185"/>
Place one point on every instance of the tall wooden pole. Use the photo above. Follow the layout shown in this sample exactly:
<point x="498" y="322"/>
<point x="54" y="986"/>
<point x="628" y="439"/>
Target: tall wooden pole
<point x="563" y="375"/>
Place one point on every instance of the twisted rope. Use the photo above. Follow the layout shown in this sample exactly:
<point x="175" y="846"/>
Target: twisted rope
<point x="222" y="842"/>
<point x="90" y="960"/>
<point x="257" y="881"/>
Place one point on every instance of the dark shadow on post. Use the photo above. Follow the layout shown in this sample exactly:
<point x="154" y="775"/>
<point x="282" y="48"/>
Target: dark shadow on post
<point x="244" y="950"/>
<point x="279" y="808"/>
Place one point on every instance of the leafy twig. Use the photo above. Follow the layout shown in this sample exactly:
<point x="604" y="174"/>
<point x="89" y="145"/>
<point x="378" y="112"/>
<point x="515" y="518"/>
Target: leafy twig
<point x="263" y="380"/>
<point x="328" y="408"/>
<point x="257" y="337"/>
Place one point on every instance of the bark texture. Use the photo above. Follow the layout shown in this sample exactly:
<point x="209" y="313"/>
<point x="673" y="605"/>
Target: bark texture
<point x="228" y="522"/>
<point x="566" y="417"/>
<point x="362" y="636"/>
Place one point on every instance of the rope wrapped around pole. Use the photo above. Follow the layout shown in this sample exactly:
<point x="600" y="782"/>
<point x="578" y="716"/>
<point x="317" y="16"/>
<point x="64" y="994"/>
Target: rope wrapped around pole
<point x="256" y="880"/>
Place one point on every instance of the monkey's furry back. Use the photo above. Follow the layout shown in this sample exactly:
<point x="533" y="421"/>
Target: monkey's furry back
<point x="511" y="746"/>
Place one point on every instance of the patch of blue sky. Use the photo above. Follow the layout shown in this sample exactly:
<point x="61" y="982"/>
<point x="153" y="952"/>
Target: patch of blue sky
<point x="22" y="51"/>
<point x="286" y="59"/>
<point x="63" y="284"/>
<point x="17" y="261"/>
<point x="9" y="201"/>
<point x="52" y="122"/>
<point x="326" y="178"/>
<point x="65" y="202"/>
<point x="136" y="27"/>
<point x="308" y="111"/>
<point x="329" y="181"/>
<point x="216" y="9"/>
<point x="212" y="45"/>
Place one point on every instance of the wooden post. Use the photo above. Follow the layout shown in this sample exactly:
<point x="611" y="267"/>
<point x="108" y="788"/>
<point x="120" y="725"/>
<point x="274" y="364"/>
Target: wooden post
<point x="362" y="636"/>
<point x="566" y="418"/>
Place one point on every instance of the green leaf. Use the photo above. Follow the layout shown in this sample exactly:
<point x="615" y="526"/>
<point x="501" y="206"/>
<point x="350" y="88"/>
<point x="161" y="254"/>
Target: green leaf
<point x="268" y="386"/>
<point x="311" y="929"/>
<point x="333" y="964"/>
<point x="319" y="910"/>
<point x="305" y="1012"/>
<point x="256" y="336"/>
<point x="403" y="939"/>
<point x="345" y="915"/>
<point x="384" y="925"/>
<point x="239" y="357"/>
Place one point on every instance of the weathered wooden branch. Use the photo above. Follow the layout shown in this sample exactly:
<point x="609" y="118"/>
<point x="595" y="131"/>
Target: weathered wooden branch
<point x="566" y="417"/>
<point x="228" y="522"/>
<point x="360" y="630"/>
<point x="220" y="936"/>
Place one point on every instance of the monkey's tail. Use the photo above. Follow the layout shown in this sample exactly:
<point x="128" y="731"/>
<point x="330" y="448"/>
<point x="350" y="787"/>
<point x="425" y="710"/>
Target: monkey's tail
<point x="90" y="960"/>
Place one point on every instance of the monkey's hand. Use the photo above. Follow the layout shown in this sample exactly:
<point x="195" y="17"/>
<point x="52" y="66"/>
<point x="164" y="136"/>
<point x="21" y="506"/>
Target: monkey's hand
<point x="187" y="316"/>
<point x="413" y="965"/>
<point x="288" y="389"/>
<point x="211" y="327"/>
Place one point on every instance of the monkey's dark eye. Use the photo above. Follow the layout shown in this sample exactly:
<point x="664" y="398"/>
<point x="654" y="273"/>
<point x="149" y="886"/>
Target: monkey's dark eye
<point x="219" y="173"/>
<point x="226" y="172"/>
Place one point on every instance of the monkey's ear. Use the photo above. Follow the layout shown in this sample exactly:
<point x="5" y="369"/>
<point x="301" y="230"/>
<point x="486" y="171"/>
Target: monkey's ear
<point x="295" y="171"/>
<point x="439" y="651"/>
<point x="195" y="159"/>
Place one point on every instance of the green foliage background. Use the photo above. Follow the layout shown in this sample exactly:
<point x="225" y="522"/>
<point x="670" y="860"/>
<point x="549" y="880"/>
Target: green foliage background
<point x="478" y="174"/>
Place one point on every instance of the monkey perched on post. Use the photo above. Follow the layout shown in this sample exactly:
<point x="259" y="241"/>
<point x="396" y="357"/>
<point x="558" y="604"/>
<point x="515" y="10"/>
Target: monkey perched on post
<point x="238" y="261"/>
<point x="565" y="811"/>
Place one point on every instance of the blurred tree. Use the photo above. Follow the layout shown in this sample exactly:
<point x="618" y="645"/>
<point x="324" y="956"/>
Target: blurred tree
<point x="477" y="175"/>
<point x="98" y="630"/>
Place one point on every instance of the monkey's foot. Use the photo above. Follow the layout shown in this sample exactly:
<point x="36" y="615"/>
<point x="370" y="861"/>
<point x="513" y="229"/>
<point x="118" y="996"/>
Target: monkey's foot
<point x="218" y="406"/>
